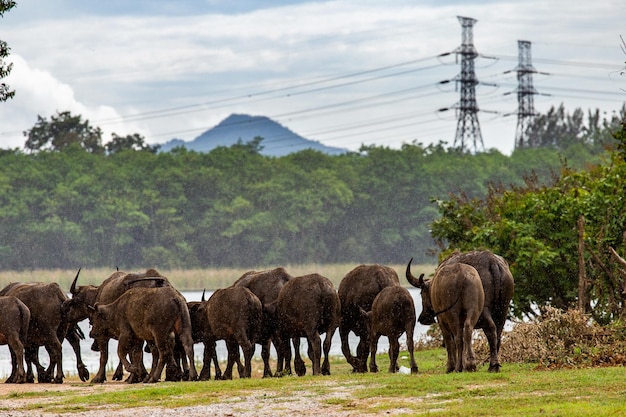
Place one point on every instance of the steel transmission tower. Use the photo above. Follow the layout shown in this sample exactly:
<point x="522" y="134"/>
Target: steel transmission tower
<point x="525" y="92"/>
<point x="468" y="128"/>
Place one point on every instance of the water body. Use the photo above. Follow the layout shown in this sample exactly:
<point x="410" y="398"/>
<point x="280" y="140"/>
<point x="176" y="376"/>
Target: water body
<point x="92" y="359"/>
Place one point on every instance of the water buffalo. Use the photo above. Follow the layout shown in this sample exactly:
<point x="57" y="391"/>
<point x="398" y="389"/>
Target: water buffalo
<point x="200" y="333"/>
<point x="456" y="298"/>
<point x="235" y="315"/>
<point x="308" y="306"/>
<point x="84" y="297"/>
<point x="14" y="322"/>
<point x="266" y="285"/>
<point x="498" y="286"/>
<point x="146" y="314"/>
<point x="48" y="327"/>
<point x="392" y="314"/>
<point x="357" y="290"/>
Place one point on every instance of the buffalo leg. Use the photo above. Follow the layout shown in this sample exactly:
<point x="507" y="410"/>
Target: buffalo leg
<point x="265" y="355"/>
<point x="344" y="333"/>
<point x="233" y="357"/>
<point x="374" y="337"/>
<point x="284" y="351"/>
<point x="55" y="352"/>
<point x="469" y="359"/>
<point x="491" y="333"/>
<point x="448" y="340"/>
<point x="362" y="352"/>
<point x="122" y="352"/>
<point x="394" y="351"/>
<point x="298" y="363"/>
<point x="74" y="340"/>
<point x="327" y="343"/>
<point x="136" y="357"/>
<point x="209" y="355"/>
<point x="186" y="342"/>
<point x="248" y="351"/>
<point x="103" y="347"/>
<point x="411" y="347"/>
<point x="165" y="354"/>
<point x="18" y="373"/>
<point x="30" y="354"/>
<point x="315" y="350"/>
<point x="280" y="358"/>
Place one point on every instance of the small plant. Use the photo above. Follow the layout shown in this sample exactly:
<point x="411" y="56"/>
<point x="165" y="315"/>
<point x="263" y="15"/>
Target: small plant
<point x="561" y="339"/>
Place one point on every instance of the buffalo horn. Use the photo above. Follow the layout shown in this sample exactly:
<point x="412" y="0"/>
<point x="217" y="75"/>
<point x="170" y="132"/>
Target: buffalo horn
<point x="73" y="287"/>
<point x="416" y="282"/>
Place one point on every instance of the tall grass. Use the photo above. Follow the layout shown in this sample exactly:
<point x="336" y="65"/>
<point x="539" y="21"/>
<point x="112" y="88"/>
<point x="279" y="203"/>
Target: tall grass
<point x="191" y="279"/>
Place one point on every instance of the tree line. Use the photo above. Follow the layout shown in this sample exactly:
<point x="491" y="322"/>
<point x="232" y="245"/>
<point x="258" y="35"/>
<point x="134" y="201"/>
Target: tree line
<point x="66" y="200"/>
<point x="565" y="239"/>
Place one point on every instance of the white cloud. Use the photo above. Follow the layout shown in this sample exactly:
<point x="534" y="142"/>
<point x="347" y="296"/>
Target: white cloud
<point x="104" y="66"/>
<point x="38" y="93"/>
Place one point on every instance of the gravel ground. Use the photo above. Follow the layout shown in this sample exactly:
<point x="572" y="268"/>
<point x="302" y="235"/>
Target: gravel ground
<point x="258" y="403"/>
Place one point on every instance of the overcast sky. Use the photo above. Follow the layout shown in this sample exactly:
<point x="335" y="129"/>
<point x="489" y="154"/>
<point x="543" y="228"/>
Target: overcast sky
<point x="344" y="73"/>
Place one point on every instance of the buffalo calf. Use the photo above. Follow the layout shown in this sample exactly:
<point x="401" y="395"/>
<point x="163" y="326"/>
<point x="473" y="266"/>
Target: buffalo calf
<point x="392" y="314"/>
<point x="14" y="321"/>
<point x="234" y="315"/>
<point x="357" y="291"/>
<point x="155" y="315"/>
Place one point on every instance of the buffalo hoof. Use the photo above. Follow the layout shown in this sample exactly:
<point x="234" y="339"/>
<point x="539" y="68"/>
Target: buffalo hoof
<point x="300" y="368"/>
<point x="414" y="369"/>
<point x="58" y="380"/>
<point x="83" y="372"/>
<point x="494" y="368"/>
<point x="98" y="379"/>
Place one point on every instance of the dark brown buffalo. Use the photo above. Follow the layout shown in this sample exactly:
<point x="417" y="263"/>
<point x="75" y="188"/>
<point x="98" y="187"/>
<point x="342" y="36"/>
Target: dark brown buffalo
<point x="266" y="285"/>
<point x="146" y="314"/>
<point x="200" y="333"/>
<point x="455" y="296"/>
<point x="48" y="327"/>
<point x="14" y="322"/>
<point x="235" y="315"/>
<point x="357" y="291"/>
<point x="308" y="306"/>
<point x="84" y="297"/>
<point x="392" y="314"/>
<point x="498" y="286"/>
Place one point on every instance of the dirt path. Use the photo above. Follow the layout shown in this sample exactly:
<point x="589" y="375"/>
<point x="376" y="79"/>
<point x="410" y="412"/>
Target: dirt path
<point x="262" y="403"/>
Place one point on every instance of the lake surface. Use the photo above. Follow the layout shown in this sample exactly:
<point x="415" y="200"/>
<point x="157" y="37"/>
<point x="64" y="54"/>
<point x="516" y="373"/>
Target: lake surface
<point x="92" y="359"/>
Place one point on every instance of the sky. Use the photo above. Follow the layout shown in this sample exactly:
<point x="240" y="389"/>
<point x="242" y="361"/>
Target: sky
<point x="345" y="73"/>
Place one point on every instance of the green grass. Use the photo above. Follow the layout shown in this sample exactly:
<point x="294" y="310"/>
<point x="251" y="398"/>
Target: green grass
<point x="518" y="390"/>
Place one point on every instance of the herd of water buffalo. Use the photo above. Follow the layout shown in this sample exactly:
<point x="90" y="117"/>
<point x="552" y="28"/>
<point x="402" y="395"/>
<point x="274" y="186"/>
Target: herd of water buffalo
<point x="144" y="312"/>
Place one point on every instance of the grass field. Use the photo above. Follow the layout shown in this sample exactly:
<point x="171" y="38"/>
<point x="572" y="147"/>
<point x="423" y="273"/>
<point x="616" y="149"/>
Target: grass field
<point x="518" y="390"/>
<point x="191" y="279"/>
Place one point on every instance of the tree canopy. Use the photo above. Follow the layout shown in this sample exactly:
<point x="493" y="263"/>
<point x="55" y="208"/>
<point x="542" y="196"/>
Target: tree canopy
<point x="5" y="68"/>
<point x="557" y="236"/>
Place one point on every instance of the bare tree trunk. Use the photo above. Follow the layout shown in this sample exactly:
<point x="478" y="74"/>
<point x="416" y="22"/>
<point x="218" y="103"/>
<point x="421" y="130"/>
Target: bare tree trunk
<point x="584" y="304"/>
<point x="621" y="271"/>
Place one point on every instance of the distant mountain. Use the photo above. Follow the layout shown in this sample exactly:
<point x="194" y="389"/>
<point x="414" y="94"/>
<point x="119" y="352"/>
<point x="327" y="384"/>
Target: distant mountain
<point x="277" y="139"/>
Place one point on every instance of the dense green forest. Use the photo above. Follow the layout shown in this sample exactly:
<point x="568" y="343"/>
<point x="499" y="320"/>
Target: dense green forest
<point x="67" y="201"/>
